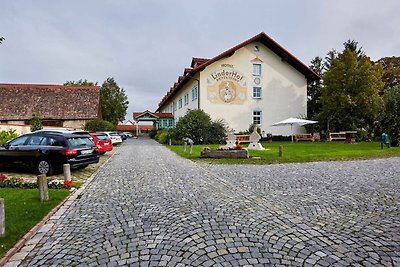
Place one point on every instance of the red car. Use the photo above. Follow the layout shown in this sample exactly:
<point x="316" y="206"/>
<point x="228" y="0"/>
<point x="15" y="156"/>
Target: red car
<point x="102" y="142"/>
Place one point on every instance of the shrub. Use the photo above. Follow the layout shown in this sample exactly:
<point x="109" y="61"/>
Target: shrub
<point x="36" y="122"/>
<point x="162" y="136"/>
<point x="251" y="128"/>
<point x="99" y="125"/>
<point x="198" y="126"/>
<point x="153" y="133"/>
<point x="7" y="135"/>
<point x="216" y="133"/>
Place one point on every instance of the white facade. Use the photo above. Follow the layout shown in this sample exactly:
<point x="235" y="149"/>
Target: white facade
<point x="251" y="85"/>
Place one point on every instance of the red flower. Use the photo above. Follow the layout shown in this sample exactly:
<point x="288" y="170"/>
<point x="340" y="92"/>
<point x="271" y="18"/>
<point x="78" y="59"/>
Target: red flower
<point x="3" y="177"/>
<point x="68" y="183"/>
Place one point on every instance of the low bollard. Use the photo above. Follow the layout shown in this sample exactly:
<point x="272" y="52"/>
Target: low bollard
<point x="280" y="151"/>
<point x="67" y="172"/>
<point x="2" y="218"/>
<point x="43" y="188"/>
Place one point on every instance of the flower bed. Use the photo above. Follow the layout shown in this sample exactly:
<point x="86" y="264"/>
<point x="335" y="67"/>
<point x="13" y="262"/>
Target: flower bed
<point x="17" y="182"/>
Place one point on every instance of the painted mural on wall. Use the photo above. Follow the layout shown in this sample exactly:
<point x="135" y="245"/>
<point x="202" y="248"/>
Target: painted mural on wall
<point x="226" y="85"/>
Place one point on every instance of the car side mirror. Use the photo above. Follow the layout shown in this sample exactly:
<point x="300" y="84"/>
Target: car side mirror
<point x="6" y="145"/>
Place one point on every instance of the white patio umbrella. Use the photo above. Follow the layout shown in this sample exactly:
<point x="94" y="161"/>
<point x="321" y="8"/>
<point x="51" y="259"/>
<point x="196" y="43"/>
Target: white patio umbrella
<point x="292" y="121"/>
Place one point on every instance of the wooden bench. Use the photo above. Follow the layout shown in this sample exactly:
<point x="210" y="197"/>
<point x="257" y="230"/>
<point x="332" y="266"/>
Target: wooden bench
<point x="304" y="137"/>
<point x="243" y="138"/>
<point x="340" y="136"/>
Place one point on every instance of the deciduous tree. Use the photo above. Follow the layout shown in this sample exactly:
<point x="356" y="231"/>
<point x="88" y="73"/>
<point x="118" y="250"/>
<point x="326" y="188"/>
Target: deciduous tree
<point x="80" y="83"/>
<point x="350" y="96"/>
<point x="391" y="71"/>
<point x="114" y="101"/>
<point x="198" y="126"/>
<point x="391" y="116"/>
<point x="99" y="125"/>
<point x="314" y="89"/>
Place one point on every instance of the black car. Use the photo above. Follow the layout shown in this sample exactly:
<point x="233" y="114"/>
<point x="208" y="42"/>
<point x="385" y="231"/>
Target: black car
<point x="123" y="135"/>
<point x="46" y="152"/>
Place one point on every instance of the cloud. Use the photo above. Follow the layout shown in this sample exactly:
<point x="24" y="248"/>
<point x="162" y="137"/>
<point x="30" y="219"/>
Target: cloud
<point x="145" y="45"/>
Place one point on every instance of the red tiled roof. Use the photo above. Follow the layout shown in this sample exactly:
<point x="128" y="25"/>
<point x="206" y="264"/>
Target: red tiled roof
<point x="198" y="61"/>
<point x="126" y="128"/>
<point x="132" y="128"/>
<point x="198" y="64"/>
<point x="186" y="71"/>
<point x="20" y="101"/>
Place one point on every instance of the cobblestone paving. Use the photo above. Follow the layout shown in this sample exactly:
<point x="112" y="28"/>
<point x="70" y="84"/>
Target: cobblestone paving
<point x="148" y="207"/>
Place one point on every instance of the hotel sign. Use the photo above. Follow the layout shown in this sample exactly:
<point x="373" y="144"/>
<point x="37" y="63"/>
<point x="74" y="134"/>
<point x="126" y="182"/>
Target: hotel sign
<point x="226" y="85"/>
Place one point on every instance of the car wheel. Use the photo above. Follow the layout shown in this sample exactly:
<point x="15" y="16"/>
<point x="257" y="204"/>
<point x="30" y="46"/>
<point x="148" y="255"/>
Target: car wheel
<point x="44" y="167"/>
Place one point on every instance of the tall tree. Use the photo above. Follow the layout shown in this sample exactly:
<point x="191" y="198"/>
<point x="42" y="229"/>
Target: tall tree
<point x="350" y="97"/>
<point x="314" y="89"/>
<point x="391" y="71"/>
<point x="113" y="100"/>
<point x="80" y="83"/>
<point x="391" y="116"/>
<point x="353" y="46"/>
<point x="331" y="55"/>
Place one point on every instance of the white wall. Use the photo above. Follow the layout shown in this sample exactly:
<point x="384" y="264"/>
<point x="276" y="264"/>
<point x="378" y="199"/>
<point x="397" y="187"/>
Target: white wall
<point x="180" y="112"/>
<point x="18" y="128"/>
<point x="284" y="92"/>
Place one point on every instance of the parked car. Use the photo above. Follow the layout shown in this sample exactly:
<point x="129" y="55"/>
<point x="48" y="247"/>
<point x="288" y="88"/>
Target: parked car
<point x="128" y="134"/>
<point x="46" y="152"/>
<point x="115" y="137"/>
<point x="102" y="142"/>
<point x="123" y="136"/>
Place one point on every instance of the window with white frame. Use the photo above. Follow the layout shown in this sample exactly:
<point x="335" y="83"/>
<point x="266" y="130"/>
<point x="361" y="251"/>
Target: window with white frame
<point x="180" y="103"/>
<point x="256" y="92"/>
<point x="257" y="117"/>
<point x="186" y="99"/>
<point x="194" y="93"/>
<point x="257" y="69"/>
<point x="174" y="106"/>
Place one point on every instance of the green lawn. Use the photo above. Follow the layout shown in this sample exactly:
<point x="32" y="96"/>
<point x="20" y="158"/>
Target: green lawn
<point x="23" y="211"/>
<point x="300" y="152"/>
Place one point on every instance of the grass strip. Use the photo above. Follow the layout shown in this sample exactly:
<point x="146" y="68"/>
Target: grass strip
<point x="298" y="152"/>
<point x="23" y="210"/>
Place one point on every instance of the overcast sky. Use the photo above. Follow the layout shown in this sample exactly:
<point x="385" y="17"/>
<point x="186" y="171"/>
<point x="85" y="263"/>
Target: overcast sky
<point x="145" y="45"/>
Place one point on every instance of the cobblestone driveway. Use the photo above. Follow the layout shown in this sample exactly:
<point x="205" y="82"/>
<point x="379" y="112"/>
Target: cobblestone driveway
<point x="148" y="207"/>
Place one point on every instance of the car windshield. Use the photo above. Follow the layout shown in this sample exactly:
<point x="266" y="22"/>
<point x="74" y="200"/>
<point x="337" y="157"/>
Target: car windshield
<point x="80" y="141"/>
<point x="18" y="141"/>
<point x="101" y="137"/>
<point x="114" y="134"/>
